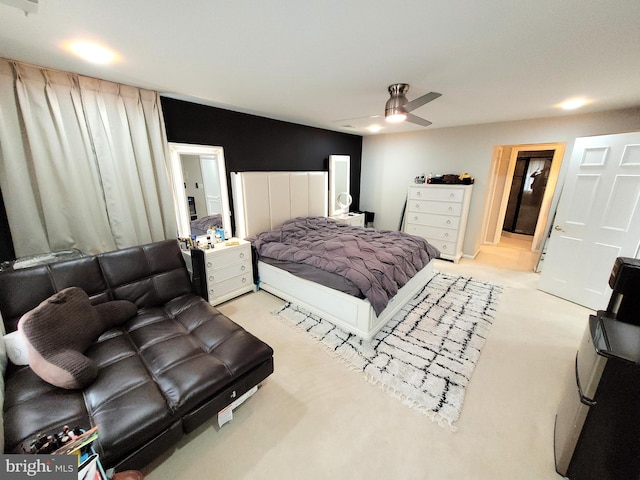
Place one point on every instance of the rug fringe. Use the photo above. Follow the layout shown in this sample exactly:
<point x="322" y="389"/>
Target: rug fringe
<point x="433" y="416"/>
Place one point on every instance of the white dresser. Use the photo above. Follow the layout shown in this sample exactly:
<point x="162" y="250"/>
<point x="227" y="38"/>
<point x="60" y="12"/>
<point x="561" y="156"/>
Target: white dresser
<point x="439" y="214"/>
<point x="229" y="271"/>
<point x="355" y="219"/>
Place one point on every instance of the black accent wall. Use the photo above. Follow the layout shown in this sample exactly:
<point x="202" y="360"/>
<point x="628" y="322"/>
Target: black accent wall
<point x="253" y="143"/>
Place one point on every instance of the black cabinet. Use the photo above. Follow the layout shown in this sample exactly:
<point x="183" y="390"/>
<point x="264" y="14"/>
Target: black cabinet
<point x="607" y="426"/>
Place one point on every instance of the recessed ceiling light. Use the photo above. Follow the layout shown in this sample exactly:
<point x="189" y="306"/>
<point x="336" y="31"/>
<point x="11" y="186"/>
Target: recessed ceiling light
<point x="573" y="103"/>
<point x="374" y="128"/>
<point x="92" y="52"/>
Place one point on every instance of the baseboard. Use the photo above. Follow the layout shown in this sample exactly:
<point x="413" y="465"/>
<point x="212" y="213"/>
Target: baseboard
<point x="471" y="257"/>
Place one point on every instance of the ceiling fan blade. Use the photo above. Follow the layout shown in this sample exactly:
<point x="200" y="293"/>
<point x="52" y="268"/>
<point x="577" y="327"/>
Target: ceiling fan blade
<point x="415" y="119"/>
<point x="418" y="102"/>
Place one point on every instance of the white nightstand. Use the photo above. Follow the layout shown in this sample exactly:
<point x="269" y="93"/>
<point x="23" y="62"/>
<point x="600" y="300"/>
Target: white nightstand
<point x="228" y="270"/>
<point x="355" y="219"/>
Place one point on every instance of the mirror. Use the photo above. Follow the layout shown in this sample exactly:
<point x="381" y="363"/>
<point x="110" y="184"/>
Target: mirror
<point x="200" y="185"/>
<point x="339" y="197"/>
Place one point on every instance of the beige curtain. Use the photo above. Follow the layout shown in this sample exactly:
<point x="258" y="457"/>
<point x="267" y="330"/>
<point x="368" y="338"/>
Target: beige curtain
<point x="82" y="162"/>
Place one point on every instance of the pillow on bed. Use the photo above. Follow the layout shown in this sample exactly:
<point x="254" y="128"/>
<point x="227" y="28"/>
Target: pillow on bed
<point x="61" y="328"/>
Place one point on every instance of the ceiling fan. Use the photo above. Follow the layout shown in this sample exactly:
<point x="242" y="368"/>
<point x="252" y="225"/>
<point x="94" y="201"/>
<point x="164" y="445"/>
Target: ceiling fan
<point x="398" y="107"/>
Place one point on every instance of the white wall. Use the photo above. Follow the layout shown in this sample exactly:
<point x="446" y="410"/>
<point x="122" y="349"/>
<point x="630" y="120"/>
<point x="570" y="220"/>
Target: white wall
<point x="390" y="162"/>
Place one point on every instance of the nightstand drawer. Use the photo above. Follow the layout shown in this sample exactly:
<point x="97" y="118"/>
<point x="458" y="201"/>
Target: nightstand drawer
<point x="225" y="258"/>
<point x="436" y="194"/>
<point x="444" y="221"/>
<point x="217" y="275"/>
<point x="443" y="208"/>
<point x="230" y="285"/>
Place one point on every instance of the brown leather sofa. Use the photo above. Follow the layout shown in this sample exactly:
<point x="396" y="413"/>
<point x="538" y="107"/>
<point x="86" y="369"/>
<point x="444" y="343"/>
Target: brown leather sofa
<point x="163" y="373"/>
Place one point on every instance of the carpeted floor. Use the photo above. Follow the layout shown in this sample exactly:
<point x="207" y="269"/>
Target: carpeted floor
<point x="315" y="419"/>
<point x="425" y="355"/>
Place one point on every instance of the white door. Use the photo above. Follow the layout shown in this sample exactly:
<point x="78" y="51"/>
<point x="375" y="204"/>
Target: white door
<point x="211" y="180"/>
<point x="597" y="219"/>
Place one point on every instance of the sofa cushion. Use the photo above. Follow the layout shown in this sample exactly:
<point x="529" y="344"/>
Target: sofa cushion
<point x="192" y="350"/>
<point x="61" y="328"/>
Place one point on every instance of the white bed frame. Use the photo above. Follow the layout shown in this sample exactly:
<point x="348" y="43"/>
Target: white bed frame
<point x="265" y="200"/>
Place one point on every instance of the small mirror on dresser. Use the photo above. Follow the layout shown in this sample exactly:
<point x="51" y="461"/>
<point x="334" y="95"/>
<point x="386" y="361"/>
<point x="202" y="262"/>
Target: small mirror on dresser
<point x="200" y="181"/>
<point x="339" y="196"/>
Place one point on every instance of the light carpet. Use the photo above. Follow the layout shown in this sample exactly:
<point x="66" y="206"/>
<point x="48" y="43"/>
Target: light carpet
<point x="426" y="354"/>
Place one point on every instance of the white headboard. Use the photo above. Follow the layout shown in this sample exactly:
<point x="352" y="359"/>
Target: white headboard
<point x="265" y="200"/>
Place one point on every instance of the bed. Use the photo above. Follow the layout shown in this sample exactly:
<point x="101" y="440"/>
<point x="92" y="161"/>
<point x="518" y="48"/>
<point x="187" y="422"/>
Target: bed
<point x="268" y="203"/>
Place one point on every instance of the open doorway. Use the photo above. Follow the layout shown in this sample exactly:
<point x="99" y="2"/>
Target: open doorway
<point x="528" y="184"/>
<point x="511" y="201"/>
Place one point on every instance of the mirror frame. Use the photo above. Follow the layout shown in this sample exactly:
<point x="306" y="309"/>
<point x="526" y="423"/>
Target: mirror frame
<point x="182" y="207"/>
<point x="335" y="208"/>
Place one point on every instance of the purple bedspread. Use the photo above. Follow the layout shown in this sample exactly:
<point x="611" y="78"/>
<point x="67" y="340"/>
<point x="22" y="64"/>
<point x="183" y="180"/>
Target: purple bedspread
<point x="379" y="262"/>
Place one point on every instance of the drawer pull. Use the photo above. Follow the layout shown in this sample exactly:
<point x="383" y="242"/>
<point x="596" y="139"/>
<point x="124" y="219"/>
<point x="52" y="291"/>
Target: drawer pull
<point x="418" y="194"/>
<point x="444" y="247"/>
<point x="452" y="195"/>
<point x="243" y="268"/>
<point x="415" y="218"/>
<point x="448" y="222"/>
<point x="242" y="255"/>
<point x="244" y="280"/>
<point x="209" y="264"/>
<point x="211" y="278"/>
<point x="451" y="209"/>
<point x="418" y="206"/>
<point x="446" y="235"/>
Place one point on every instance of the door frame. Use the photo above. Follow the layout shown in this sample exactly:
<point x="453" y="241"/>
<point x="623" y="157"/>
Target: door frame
<point x="499" y="196"/>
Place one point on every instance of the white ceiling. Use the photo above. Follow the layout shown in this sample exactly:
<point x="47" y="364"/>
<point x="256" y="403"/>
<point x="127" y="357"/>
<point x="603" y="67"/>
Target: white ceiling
<point x="327" y="63"/>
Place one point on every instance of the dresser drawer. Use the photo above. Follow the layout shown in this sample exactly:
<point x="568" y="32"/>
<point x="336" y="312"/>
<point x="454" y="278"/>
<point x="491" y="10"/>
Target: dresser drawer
<point x="432" y="233"/>
<point x="217" y="290"/>
<point x="442" y="208"/>
<point x="225" y="258"/>
<point x="437" y="194"/>
<point x="444" y="221"/>
<point x="446" y="248"/>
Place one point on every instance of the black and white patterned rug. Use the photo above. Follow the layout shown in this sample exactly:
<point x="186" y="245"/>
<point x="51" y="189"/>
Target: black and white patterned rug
<point x="426" y="354"/>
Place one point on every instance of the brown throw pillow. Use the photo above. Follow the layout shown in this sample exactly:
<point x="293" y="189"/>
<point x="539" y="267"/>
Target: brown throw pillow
<point x="61" y="328"/>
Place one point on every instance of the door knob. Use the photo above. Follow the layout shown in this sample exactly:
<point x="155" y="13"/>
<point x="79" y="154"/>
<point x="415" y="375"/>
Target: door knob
<point x="559" y="228"/>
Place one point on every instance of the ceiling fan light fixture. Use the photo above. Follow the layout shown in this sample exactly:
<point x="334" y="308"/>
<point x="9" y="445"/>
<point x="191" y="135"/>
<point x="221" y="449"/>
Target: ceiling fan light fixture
<point x="394" y="111"/>
<point x="396" y="117"/>
<point x="398" y="109"/>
